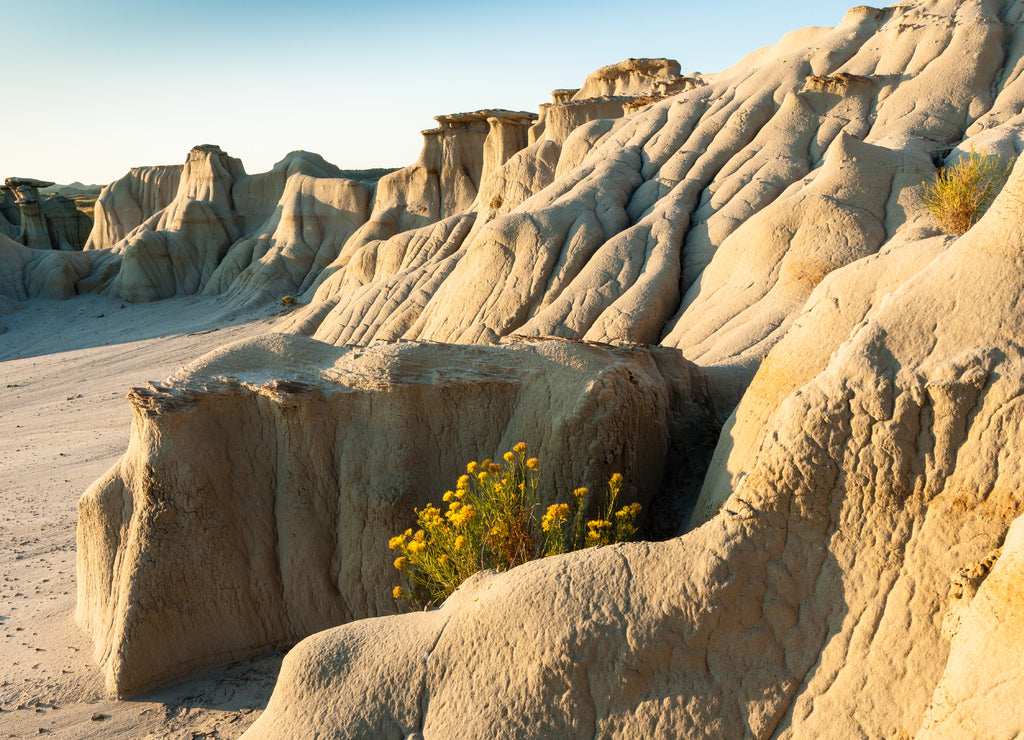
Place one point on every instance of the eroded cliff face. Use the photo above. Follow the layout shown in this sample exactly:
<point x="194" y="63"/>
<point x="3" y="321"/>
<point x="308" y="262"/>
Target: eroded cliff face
<point x="763" y="222"/>
<point x="289" y="463"/>
<point x="854" y="560"/>
<point x="126" y="203"/>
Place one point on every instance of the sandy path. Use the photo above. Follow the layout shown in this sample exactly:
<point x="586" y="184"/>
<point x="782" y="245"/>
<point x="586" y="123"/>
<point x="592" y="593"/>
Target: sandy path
<point x="64" y="370"/>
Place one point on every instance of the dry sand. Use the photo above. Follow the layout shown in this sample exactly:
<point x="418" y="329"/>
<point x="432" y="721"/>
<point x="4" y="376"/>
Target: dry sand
<point x="65" y="367"/>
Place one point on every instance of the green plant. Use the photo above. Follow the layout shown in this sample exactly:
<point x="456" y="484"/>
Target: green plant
<point x="959" y="194"/>
<point x="288" y="301"/>
<point x="492" y="522"/>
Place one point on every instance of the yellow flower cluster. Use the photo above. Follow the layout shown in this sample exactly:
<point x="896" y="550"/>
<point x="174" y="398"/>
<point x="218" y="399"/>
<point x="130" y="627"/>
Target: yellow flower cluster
<point x="629" y="512"/>
<point x="555" y="516"/>
<point x="493" y="520"/>
<point x="462" y="515"/>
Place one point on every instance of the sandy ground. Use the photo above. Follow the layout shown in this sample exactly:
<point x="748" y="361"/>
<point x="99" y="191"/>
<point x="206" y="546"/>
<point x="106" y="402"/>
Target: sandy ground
<point x="65" y="367"/>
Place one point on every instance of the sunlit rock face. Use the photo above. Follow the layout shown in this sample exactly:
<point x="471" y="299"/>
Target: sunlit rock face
<point x="340" y="446"/>
<point x="763" y="223"/>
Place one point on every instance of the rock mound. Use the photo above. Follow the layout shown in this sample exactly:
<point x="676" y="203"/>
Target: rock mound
<point x="340" y="446"/>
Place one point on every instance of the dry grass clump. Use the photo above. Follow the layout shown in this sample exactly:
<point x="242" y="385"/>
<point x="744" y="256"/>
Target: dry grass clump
<point x="492" y="522"/>
<point x="960" y="194"/>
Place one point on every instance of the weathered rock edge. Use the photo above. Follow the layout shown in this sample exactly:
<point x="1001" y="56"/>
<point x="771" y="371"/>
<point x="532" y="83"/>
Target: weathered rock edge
<point x="261" y="484"/>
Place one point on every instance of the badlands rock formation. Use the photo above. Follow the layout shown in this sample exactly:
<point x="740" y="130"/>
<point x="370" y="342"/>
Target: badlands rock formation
<point x="126" y="203"/>
<point x="816" y="602"/>
<point x="50" y="223"/>
<point x="289" y="463"/>
<point x="842" y="574"/>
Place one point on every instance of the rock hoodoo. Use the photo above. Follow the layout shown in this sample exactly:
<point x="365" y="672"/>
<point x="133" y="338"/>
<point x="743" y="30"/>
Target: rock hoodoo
<point x="53" y="222"/>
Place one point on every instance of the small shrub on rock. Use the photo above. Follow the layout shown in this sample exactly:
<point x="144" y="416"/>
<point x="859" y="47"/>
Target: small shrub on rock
<point x="960" y="194"/>
<point x="493" y="521"/>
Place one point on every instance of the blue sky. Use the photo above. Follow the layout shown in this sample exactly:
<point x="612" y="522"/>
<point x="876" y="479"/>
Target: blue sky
<point x="91" y="89"/>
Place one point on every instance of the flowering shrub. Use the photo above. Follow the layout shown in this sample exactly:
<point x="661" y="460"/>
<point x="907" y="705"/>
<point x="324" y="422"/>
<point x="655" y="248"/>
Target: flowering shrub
<point x="492" y="522"/>
<point x="959" y="195"/>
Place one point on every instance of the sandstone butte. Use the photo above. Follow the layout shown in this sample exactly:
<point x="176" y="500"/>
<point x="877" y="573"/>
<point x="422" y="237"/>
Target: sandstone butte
<point x="724" y="286"/>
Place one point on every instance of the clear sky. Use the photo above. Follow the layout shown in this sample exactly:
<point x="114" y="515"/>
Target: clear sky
<point x="91" y="88"/>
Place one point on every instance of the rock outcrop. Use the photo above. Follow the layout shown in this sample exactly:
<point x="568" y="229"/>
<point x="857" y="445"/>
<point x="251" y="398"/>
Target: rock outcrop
<point x="40" y="273"/>
<point x="126" y="203"/>
<point x="53" y="222"/>
<point x="817" y="592"/>
<point x="339" y="447"/>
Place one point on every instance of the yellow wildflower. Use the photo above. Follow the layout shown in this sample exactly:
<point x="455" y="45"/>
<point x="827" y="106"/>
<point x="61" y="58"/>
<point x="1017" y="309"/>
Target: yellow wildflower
<point x="400" y="563"/>
<point x="395" y="543"/>
<point x="455" y="505"/>
<point x="499" y="530"/>
<point x="596" y="525"/>
<point x="416" y="547"/>
<point x="555" y="515"/>
<point x="419" y="536"/>
<point x="460" y="542"/>
<point x="463" y="515"/>
<point x="580" y="493"/>
<point x="397" y="592"/>
<point x="616" y="481"/>
<point x="486" y="464"/>
<point x="483" y="476"/>
<point x="408" y="533"/>
<point x="520" y="448"/>
<point x="494" y="468"/>
<point x="463" y="483"/>
<point x="471" y="468"/>
<point x="448" y="496"/>
<point x="509" y="456"/>
<point x="533" y="463"/>
<point x="430" y="516"/>
<point x="629" y="512"/>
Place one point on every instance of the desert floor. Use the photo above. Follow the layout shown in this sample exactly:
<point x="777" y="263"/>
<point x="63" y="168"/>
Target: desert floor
<point x="65" y="367"/>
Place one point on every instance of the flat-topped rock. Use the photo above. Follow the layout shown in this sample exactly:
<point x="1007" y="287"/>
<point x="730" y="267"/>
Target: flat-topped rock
<point x="28" y="182"/>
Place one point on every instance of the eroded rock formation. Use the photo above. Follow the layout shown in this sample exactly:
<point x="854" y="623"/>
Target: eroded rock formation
<point x="818" y="590"/>
<point x="51" y="223"/>
<point x="764" y="222"/>
<point x="289" y="463"/>
<point x="126" y="203"/>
